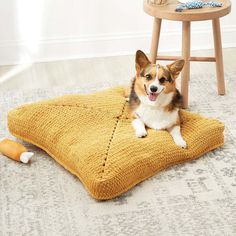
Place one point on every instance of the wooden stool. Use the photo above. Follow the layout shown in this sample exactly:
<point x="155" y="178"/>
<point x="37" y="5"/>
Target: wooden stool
<point x="168" y="12"/>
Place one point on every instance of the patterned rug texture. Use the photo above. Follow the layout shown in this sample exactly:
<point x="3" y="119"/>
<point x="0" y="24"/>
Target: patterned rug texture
<point x="195" y="198"/>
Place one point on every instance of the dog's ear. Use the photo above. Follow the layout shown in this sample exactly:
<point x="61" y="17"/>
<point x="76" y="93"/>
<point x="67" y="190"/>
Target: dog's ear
<point x="141" y="61"/>
<point x="176" y="67"/>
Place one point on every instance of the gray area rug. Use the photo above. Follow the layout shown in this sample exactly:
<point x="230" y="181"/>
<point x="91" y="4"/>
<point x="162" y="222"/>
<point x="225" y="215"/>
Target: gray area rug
<point x="195" y="198"/>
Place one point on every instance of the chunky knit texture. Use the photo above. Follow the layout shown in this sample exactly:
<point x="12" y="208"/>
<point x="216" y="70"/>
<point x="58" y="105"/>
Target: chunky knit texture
<point x="92" y="137"/>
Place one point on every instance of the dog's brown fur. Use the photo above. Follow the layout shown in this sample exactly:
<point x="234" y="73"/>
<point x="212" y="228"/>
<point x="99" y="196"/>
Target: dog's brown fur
<point x="166" y="74"/>
<point x="154" y="99"/>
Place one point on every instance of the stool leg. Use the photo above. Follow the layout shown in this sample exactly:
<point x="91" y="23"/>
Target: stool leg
<point x="155" y="39"/>
<point x="186" y="56"/>
<point x="218" y="56"/>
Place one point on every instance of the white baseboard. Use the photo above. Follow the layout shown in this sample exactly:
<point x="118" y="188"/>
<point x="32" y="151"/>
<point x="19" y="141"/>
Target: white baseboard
<point x="16" y="52"/>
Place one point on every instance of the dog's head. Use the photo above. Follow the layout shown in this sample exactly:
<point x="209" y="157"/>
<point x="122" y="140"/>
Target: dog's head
<point x="153" y="80"/>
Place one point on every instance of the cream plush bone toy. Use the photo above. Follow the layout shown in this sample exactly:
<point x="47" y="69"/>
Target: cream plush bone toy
<point x="14" y="150"/>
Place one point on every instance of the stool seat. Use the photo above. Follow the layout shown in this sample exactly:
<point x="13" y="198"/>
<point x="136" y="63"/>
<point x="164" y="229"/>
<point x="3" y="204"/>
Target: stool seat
<point x="168" y="12"/>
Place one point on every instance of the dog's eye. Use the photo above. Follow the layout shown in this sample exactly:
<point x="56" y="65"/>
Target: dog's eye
<point x="148" y="77"/>
<point x="162" y="80"/>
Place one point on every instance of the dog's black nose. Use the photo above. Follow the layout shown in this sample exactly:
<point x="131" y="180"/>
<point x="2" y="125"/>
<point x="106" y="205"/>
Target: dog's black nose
<point x="153" y="89"/>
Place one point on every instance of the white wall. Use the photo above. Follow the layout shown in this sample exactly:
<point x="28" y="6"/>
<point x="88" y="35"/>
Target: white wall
<point x="42" y="30"/>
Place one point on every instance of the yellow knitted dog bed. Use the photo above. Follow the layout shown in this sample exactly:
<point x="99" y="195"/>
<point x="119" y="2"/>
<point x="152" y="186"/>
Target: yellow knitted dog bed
<point x="92" y="137"/>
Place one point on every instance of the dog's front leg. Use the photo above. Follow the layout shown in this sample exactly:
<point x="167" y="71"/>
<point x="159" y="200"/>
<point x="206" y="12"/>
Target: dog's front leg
<point x="139" y="127"/>
<point x="176" y="135"/>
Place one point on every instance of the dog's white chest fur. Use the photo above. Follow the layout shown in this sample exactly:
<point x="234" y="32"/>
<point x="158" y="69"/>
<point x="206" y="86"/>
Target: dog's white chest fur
<point x="156" y="117"/>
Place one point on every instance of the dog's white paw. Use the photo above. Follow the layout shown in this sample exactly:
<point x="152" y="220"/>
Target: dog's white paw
<point x="139" y="127"/>
<point x="181" y="143"/>
<point x="141" y="133"/>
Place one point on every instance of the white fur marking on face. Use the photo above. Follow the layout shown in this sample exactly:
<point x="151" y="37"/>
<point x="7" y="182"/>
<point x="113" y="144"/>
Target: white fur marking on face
<point x="177" y="137"/>
<point x="156" y="83"/>
<point x="139" y="127"/>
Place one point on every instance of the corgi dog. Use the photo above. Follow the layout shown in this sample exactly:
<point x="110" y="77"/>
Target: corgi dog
<point x="154" y="99"/>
